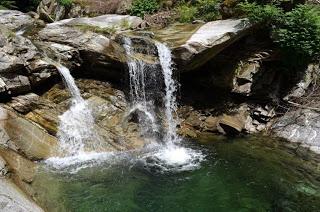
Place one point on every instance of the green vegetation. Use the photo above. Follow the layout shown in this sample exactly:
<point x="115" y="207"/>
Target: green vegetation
<point x="187" y="13"/>
<point x="296" y="32"/>
<point x="299" y="33"/>
<point x="7" y="4"/>
<point x="106" y="30"/>
<point x="262" y="14"/>
<point x="66" y="3"/>
<point x="143" y="7"/>
<point x="208" y="10"/>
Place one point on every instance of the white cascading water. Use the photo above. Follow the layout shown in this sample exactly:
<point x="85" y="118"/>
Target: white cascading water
<point x="76" y="128"/>
<point x="170" y="102"/>
<point x="139" y="102"/>
<point x="172" y="156"/>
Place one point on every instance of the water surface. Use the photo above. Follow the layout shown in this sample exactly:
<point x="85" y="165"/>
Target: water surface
<point x="241" y="174"/>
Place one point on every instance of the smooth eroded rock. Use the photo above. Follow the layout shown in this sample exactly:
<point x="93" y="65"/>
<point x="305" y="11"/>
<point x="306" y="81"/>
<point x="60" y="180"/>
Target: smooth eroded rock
<point x="13" y="199"/>
<point x="208" y="41"/>
<point x="15" y="20"/>
<point x="27" y="137"/>
<point x="300" y="126"/>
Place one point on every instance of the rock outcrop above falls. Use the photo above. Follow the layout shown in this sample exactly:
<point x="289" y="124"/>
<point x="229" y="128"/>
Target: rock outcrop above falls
<point x="53" y="10"/>
<point x="208" y="41"/>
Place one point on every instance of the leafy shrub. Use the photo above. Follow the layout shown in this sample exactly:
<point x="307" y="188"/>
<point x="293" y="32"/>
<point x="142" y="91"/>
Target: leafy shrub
<point x="187" y="13"/>
<point x="142" y="7"/>
<point x="299" y="34"/>
<point x="208" y="10"/>
<point x="66" y="3"/>
<point x="262" y="14"/>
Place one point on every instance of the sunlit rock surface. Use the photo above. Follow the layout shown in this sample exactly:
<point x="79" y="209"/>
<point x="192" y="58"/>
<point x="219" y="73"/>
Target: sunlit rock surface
<point x="15" y="20"/>
<point x="209" y="40"/>
<point x="301" y="126"/>
<point x="52" y="10"/>
<point x="21" y="135"/>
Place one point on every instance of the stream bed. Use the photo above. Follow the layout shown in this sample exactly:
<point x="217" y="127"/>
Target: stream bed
<point x="240" y="174"/>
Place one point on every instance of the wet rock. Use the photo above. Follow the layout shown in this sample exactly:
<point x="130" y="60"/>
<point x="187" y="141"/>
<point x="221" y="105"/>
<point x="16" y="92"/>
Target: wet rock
<point x="194" y="120"/>
<point x="24" y="103"/>
<point x="211" y="123"/>
<point x="25" y="136"/>
<point x="109" y="109"/>
<point x="307" y="78"/>
<point x="208" y="41"/>
<point x="187" y="131"/>
<point x="300" y="126"/>
<point x="244" y="78"/>
<point x="15" y="20"/>
<point x="231" y="125"/>
<point x="13" y="199"/>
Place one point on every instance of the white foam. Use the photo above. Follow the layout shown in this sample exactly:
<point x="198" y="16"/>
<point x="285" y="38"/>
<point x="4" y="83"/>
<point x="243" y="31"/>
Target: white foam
<point x="172" y="158"/>
<point x="75" y="163"/>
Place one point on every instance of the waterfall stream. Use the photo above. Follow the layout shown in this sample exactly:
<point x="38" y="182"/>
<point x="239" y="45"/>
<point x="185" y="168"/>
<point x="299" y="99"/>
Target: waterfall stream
<point x="78" y="137"/>
<point x="138" y="71"/>
<point x="170" y="154"/>
<point x="76" y="131"/>
<point x="165" y="58"/>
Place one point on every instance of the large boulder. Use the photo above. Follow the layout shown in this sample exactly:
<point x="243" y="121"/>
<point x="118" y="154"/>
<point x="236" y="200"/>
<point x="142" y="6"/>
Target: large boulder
<point x="15" y="20"/>
<point x="300" y="126"/>
<point x="52" y="10"/>
<point x="21" y="63"/>
<point x="96" y="40"/>
<point x="208" y="41"/>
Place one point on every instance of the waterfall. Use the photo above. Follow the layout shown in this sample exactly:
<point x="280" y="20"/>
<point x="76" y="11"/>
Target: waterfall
<point x="138" y="74"/>
<point x="165" y="58"/>
<point x="76" y="128"/>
